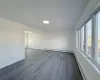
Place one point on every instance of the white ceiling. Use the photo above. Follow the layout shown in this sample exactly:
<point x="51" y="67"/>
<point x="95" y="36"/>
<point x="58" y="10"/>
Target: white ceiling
<point x="62" y="14"/>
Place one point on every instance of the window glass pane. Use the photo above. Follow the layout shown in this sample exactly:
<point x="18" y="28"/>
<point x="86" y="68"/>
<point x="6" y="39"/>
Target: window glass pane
<point x="82" y="38"/>
<point x="98" y="25"/>
<point x="89" y="37"/>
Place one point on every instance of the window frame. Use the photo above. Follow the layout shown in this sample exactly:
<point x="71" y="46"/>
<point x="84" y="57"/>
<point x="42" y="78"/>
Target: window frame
<point x="94" y="38"/>
<point x="78" y="32"/>
<point x="82" y="37"/>
<point x="86" y="38"/>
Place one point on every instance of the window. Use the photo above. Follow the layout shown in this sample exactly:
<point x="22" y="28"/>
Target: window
<point x="89" y="37"/>
<point x="88" y="44"/>
<point x="98" y="26"/>
<point x="85" y="41"/>
<point x="82" y="38"/>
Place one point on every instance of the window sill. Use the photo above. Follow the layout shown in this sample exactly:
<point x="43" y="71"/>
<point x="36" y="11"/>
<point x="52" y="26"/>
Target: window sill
<point x="94" y="64"/>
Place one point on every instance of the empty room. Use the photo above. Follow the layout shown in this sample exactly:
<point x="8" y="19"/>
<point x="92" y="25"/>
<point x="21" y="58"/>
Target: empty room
<point x="49" y="39"/>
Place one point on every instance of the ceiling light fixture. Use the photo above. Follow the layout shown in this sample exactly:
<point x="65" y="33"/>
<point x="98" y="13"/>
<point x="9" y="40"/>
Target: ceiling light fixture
<point x="46" y="22"/>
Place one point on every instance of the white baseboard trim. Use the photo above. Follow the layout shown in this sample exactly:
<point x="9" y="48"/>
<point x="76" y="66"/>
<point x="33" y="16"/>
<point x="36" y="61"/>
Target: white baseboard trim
<point x="59" y="50"/>
<point x="69" y="51"/>
<point x="84" y="78"/>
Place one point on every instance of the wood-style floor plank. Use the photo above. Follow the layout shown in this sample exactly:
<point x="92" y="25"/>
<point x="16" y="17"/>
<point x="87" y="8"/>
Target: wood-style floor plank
<point x="44" y="65"/>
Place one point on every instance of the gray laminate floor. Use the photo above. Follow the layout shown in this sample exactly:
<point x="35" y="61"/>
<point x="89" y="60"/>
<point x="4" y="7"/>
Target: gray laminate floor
<point x="43" y="65"/>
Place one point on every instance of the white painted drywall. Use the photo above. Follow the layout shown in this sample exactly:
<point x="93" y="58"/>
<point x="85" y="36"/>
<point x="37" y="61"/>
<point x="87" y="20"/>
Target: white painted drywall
<point x="52" y="41"/>
<point x="90" y="70"/>
<point x="59" y="41"/>
<point x="12" y="45"/>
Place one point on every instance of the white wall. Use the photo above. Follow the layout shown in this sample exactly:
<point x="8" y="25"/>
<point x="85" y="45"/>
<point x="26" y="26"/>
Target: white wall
<point x="34" y="40"/>
<point x="59" y="40"/>
<point x="90" y="70"/>
<point x="12" y="42"/>
<point x="52" y="41"/>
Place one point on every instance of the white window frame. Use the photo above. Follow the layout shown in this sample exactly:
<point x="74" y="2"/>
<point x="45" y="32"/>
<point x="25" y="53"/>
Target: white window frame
<point x="96" y="38"/>
<point x="79" y="39"/>
<point x="86" y="39"/>
<point x="81" y="44"/>
<point x="94" y="45"/>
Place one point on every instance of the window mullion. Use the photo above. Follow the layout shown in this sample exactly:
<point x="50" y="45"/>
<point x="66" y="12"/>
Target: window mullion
<point x="80" y="39"/>
<point x="77" y="39"/>
<point x="85" y="39"/>
<point x="94" y="37"/>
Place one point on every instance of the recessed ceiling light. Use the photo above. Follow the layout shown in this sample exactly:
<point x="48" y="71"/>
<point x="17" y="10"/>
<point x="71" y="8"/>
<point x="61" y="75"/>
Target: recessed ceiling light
<point x="26" y="31"/>
<point x="46" y="22"/>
